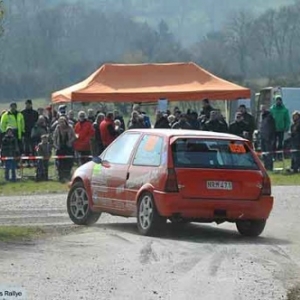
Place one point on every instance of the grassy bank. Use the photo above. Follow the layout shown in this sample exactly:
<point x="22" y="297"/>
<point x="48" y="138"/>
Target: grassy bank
<point x="13" y="233"/>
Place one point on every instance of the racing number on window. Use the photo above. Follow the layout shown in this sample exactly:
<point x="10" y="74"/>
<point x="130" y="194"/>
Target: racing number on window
<point x="151" y="143"/>
<point x="237" y="148"/>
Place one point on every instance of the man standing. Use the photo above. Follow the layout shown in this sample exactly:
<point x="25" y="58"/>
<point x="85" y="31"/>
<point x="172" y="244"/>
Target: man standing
<point x="249" y="119"/>
<point x="30" y="118"/>
<point x="15" y="120"/>
<point x="206" y="109"/>
<point x="282" y="122"/>
<point x="267" y="135"/>
<point x="239" y="127"/>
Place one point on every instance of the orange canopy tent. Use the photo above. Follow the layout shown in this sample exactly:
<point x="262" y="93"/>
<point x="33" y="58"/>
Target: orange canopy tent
<point x="150" y="82"/>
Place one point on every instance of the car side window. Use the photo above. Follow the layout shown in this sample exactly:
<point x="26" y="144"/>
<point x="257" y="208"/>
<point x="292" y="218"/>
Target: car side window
<point x="149" y="151"/>
<point x="120" y="151"/>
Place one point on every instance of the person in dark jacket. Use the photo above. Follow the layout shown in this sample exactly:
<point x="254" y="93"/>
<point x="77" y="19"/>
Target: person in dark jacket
<point x="39" y="129"/>
<point x="193" y="120"/>
<point x="107" y="130"/>
<point x="10" y="149"/>
<point x="239" y="127"/>
<point x="249" y="119"/>
<point x="267" y="136"/>
<point x="161" y="121"/>
<point x="213" y="124"/>
<point x="97" y="145"/>
<point x="295" y="139"/>
<point x="182" y="123"/>
<point x="224" y="126"/>
<point x="30" y="118"/>
<point x="44" y="150"/>
<point x="136" y="121"/>
<point x="206" y="110"/>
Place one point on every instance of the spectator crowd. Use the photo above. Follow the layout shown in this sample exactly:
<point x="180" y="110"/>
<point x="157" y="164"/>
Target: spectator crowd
<point x="72" y="138"/>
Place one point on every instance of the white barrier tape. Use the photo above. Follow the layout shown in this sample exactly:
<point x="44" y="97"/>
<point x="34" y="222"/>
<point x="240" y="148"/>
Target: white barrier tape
<point x="42" y="157"/>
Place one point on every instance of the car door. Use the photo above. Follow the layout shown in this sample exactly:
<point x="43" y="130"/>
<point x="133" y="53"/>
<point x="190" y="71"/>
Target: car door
<point x="108" y="184"/>
<point x="146" y="165"/>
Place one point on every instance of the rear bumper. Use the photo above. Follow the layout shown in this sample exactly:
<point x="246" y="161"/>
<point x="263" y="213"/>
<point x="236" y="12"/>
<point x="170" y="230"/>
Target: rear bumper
<point x="173" y="204"/>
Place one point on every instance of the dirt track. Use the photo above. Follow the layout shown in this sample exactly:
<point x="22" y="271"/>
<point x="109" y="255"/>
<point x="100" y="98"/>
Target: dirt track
<point x="111" y="261"/>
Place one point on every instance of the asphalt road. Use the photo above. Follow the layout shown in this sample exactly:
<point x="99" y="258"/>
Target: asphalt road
<point x="112" y="261"/>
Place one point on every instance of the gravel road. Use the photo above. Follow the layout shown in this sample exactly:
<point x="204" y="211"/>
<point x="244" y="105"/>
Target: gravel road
<point x="112" y="261"/>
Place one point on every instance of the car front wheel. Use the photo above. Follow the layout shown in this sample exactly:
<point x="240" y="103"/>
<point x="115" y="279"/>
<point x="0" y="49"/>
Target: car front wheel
<point x="78" y="206"/>
<point x="148" y="219"/>
<point x="252" y="228"/>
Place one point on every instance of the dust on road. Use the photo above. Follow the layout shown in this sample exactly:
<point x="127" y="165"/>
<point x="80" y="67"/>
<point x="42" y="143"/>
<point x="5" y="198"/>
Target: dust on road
<point x="112" y="261"/>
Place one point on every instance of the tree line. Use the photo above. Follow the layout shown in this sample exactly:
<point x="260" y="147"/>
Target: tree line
<point x="45" y="49"/>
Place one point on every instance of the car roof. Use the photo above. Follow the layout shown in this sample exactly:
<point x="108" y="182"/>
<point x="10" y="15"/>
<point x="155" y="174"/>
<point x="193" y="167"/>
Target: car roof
<point x="189" y="133"/>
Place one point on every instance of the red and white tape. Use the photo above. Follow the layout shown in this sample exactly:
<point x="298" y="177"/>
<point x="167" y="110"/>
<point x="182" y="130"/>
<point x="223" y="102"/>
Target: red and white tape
<point x="42" y="157"/>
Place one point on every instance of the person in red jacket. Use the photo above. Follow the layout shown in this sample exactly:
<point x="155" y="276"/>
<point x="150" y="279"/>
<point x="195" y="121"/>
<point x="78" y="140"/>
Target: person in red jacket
<point x="84" y="132"/>
<point x="107" y="130"/>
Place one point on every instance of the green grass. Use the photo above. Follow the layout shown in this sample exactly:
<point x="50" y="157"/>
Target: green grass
<point x="284" y="179"/>
<point x="13" y="233"/>
<point x="28" y="186"/>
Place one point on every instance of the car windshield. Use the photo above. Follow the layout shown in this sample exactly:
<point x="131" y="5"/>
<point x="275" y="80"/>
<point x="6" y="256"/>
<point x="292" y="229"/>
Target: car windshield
<point x="213" y="154"/>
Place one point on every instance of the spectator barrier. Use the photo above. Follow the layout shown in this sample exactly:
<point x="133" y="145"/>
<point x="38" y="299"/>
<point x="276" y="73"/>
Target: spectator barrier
<point x="22" y="159"/>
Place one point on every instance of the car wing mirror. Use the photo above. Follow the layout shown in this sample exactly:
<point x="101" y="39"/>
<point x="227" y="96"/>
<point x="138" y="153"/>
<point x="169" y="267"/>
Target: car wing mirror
<point x="99" y="161"/>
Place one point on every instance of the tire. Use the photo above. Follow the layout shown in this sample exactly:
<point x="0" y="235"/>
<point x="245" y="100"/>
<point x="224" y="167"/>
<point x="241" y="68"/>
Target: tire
<point x="251" y="228"/>
<point x="78" y="206"/>
<point x="149" y="222"/>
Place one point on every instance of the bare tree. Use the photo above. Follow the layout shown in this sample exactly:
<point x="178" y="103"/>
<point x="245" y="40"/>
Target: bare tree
<point x="238" y="33"/>
<point x="1" y="17"/>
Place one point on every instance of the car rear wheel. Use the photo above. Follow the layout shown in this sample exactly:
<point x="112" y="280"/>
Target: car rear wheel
<point x="148" y="219"/>
<point x="78" y="206"/>
<point x="251" y="228"/>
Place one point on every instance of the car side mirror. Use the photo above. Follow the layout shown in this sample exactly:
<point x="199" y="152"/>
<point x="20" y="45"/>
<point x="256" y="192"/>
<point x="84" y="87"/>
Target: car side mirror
<point x="97" y="160"/>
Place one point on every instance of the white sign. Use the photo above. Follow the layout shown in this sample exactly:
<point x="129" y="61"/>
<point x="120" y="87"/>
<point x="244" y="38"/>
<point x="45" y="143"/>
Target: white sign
<point x="16" y="293"/>
<point x="162" y="105"/>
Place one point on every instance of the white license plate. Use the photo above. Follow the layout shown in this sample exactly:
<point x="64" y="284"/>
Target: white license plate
<point x="219" y="185"/>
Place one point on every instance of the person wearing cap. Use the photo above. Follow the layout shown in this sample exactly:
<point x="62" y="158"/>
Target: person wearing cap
<point x="281" y="116"/>
<point x="15" y="120"/>
<point x="30" y="118"/>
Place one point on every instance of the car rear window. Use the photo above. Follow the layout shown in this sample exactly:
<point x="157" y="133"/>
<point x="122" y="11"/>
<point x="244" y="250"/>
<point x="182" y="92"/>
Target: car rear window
<point x="213" y="154"/>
